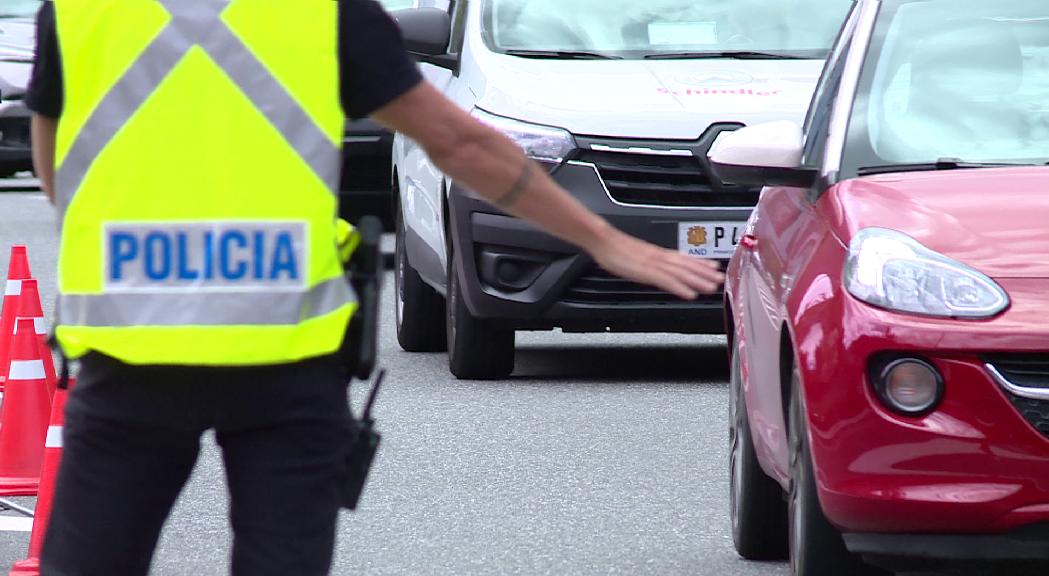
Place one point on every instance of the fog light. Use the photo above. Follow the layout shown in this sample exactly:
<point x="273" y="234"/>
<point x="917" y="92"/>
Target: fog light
<point x="910" y="386"/>
<point x="509" y="271"/>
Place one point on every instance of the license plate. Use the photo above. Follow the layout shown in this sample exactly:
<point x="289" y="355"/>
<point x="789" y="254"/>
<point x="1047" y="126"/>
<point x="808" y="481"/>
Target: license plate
<point x="716" y="240"/>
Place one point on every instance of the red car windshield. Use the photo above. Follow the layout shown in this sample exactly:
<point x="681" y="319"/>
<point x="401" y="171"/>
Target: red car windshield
<point x="954" y="79"/>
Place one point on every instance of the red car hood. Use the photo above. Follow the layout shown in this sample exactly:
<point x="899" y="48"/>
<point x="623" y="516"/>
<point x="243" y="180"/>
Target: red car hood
<point x="995" y="220"/>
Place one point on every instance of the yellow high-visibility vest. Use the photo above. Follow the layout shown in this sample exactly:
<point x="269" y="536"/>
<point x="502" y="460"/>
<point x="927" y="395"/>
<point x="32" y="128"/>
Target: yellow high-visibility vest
<point x="198" y="161"/>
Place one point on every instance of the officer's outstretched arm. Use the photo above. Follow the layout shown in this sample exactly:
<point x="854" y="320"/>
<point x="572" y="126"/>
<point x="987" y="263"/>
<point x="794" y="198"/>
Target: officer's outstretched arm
<point x="45" y="130"/>
<point x="491" y="165"/>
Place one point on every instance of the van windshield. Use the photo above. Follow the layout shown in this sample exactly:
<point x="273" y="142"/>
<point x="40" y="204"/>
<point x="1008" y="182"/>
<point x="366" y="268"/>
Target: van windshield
<point x="397" y="4"/>
<point x="19" y="8"/>
<point x="664" y="28"/>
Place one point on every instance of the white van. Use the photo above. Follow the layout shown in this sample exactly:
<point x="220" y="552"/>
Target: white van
<point x="621" y="100"/>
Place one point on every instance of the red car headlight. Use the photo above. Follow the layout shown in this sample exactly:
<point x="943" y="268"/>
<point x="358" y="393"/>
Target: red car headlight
<point x="891" y="270"/>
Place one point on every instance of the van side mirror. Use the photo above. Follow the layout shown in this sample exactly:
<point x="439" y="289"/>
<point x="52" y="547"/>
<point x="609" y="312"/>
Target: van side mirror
<point x="763" y="155"/>
<point x="427" y="33"/>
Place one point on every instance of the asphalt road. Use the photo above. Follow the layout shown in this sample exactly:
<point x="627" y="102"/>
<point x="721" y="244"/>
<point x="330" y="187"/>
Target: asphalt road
<point x="603" y="455"/>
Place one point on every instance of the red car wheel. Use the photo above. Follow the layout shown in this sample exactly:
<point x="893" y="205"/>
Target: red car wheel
<point x="759" y="513"/>
<point x="816" y="546"/>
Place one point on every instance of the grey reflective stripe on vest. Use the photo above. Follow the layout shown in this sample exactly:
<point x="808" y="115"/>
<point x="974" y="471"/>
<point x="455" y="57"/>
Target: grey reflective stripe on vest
<point x="197" y="309"/>
<point x="196" y="24"/>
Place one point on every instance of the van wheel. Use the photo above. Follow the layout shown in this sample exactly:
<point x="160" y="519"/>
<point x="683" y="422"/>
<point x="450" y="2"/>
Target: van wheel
<point x="419" y="308"/>
<point x="478" y="349"/>
<point x="759" y="511"/>
<point x="816" y="546"/>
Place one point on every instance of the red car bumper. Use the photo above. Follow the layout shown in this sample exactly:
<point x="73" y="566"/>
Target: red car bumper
<point x="975" y="465"/>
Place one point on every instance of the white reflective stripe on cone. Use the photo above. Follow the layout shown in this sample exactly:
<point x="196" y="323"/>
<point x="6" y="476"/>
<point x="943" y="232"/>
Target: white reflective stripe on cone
<point x="54" y="437"/>
<point x="14" y="288"/>
<point x="26" y="370"/>
<point x="39" y="325"/>
<point x="16" y="524"/>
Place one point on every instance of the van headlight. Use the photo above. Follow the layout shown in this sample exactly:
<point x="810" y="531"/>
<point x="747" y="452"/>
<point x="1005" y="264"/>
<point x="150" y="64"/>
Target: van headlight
<point x="891" y="270"/>
<point x="19" y="55"/>
<point x="543" y="143"/>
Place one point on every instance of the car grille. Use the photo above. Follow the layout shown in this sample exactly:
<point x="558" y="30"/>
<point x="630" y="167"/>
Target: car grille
<point x="595" y="286"/>
<point x="1034" y="411"/>
<point x="14" y="132"/>
<point x="1027" y="371"/>
<point x="671" y="174"/>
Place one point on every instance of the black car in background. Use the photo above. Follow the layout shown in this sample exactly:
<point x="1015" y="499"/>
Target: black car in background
<point x="16" y="63"/>
<point x="367" y="161"/>
<point x="367" y="172"/>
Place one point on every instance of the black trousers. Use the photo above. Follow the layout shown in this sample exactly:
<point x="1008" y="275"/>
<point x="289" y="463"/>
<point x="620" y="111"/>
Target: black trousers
<point x="132" y="436"/>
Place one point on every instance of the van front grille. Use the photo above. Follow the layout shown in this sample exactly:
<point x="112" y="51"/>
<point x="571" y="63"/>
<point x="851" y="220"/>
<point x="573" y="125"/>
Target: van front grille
<point x="667" y="174"/>
<point x="595" y="286"/>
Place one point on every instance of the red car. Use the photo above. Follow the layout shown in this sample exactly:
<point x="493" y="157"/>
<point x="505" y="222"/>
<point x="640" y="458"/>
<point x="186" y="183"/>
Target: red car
<point x="888" y="309"/>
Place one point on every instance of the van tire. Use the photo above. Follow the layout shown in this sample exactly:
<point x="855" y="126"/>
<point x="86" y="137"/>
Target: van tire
<point x="419" y="309"/>
<point x="478" y="349"/>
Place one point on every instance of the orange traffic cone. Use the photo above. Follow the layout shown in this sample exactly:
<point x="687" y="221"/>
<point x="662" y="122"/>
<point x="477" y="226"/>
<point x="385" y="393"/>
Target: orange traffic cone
<point x="17" y="271"/>
<point x="24" y="415"/>
<point x="52" y="455"/>
<point x="29" y="307"/>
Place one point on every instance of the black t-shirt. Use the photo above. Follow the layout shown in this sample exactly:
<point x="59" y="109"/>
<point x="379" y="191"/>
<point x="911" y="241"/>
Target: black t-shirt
<point x="374" y="67"/>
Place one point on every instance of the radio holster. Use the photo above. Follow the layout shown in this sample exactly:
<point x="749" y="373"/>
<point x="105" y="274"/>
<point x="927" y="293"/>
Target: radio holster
<point x="360" y="354"/>
<point x="360" y="348"/>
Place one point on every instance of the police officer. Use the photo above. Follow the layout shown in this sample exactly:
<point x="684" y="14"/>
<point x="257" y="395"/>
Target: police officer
<point x="192" y="150"/>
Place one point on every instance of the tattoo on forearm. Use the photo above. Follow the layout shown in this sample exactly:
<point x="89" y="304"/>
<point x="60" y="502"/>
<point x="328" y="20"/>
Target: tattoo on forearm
<point x="511" y="197"/>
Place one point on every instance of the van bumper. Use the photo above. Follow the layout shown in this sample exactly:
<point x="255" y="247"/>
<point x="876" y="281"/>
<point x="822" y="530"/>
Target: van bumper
<point x="526" y="279"/>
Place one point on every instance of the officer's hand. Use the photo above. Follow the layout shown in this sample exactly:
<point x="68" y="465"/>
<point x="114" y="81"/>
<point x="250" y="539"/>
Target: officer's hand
<point x="679" y="274"/>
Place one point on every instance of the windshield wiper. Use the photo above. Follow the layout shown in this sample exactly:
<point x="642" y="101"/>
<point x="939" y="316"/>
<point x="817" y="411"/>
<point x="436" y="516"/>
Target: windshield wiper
<point x="941" y="164"/>
<point x="563" y="55"/>
<point x="731" y="54"/>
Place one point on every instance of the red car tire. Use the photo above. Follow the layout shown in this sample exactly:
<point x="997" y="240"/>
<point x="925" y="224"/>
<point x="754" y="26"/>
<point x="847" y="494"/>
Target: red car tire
<point x="757" y="506"/>
<point x="816" y="546"/>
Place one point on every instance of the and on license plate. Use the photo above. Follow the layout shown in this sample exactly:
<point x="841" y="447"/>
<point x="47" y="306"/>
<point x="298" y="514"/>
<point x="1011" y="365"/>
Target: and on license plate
<point x="716" y="240"/>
